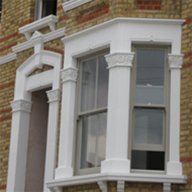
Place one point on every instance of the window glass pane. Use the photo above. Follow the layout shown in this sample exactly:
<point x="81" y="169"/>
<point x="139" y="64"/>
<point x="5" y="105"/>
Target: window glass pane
<point x="101" y="138"/>
<point x="150" y="76"/>
<point x="102" y="90"/>
<point x="93" y="140"/>
<point x="150" y="160"/>
<point x="88" y="85"/>
<point x="88" y="147"/>
<point x="49" y="7"/>
<point x="148" y="128"/>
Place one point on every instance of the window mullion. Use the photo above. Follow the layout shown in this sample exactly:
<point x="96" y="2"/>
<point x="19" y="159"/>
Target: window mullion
<point x="96" y="82"/>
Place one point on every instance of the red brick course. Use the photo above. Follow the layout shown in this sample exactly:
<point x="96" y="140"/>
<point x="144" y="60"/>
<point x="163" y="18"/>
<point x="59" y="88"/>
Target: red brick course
<point x="149" y="5"/>
<point x="93" y="14"/>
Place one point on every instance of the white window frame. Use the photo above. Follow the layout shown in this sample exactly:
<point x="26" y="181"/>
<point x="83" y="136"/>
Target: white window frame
<point x="165" y="106"/>
<point x="39" y="9"/>
<point x="79" y="114"/>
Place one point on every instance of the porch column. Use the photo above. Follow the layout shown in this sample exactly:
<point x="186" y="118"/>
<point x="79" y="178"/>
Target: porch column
<point x="174" y="167"/>
<point x="119" y="65"/>
<point x="66" y="148"/>
<point x="52" y="132"/>
<point x="19" y="145"/>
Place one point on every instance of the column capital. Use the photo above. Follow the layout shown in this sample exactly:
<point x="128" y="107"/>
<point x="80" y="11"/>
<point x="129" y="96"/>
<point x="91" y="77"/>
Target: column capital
<point x="175" y="61"/>
<point x="54" y="95"/>
<point x="21" y="105"/>
<point x="119" y="59"/>
<point x="69" y="74"/>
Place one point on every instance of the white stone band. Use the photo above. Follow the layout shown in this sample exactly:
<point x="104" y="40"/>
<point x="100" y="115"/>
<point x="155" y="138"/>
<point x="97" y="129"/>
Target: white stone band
<point x="175" y="60"/>
<point x="69" y="74"/>
<point x="119" y="59"/>
<point x="21" y="105"/>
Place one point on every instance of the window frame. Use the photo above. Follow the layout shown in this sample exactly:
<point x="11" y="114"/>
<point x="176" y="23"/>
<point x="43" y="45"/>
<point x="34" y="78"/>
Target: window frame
<point x="1" y="3"/>
<point x="79" y="114"/>
<point x="150" y="147"/>
<point x="39" y="9"/>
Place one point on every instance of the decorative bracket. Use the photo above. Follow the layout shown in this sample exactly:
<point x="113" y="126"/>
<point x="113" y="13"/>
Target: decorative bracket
<point x="119" y="59"/>
<point x="69" y="74"/>
<point x="56" y="189"/>
<point x="102" y="185"/>
<point x="120" y="186"/>
<point x="166" y="187"/>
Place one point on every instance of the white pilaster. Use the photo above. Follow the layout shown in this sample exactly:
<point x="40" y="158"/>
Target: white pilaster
<point x="51" y="148"/>
<point x="174" y="167"/>
<point x="65" y="164"/>
<point x="118" y="113"/>
<point x="19" y="145"/>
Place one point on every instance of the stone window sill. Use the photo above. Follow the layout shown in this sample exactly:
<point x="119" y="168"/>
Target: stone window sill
<point x="48" y="21"/>
<point x="102" y="178"/>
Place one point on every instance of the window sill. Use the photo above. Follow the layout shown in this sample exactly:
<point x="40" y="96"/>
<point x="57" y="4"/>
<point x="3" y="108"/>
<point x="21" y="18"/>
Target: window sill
<point x="73" y="3"/>
<point x="48" y="21"/>
<point x="102" y="178"/>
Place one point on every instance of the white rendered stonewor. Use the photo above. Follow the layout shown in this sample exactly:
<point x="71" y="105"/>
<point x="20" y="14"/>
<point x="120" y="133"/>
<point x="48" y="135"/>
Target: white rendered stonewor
<point x="174" y="167"/>
<point x="65" y="165"/>
<point x="54" y="102"/>
<point x="118" y="113"/>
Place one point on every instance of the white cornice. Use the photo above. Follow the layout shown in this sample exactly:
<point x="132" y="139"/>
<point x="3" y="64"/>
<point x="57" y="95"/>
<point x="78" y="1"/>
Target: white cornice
<point x="8" y="58"/>
<point x="124" y="20"/>
<point x="39" y="24"/>
<point x="132" y="177"/>
<point x="47" y="37"/>
<point x="68" y="5"/>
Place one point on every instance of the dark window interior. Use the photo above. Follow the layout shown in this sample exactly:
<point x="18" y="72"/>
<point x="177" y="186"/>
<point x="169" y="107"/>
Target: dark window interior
<point x="49" y="7"/>
<point x="148" y="160"/>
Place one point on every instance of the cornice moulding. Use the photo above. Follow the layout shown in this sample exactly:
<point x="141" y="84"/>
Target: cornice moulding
<point x="8" y="58"/>
<point x="47" y="37"/>
<point x="124" y="20"/>
<point x="39" y="24"/>
<point x="68" y="5"/>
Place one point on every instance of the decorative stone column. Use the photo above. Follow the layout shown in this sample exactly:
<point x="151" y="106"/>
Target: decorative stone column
<point x="174" y="167"/>
<point x="66" y="148"/>
<point x="119" y="65"/>
<point x="19" y="145"/>
<point x="52" y="132"/>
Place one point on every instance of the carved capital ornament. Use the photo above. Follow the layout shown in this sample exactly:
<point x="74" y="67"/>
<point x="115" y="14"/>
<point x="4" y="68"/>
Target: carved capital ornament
<point x="69" y="74"/>
<point x="119" y="59"/>
<point x="21" y="105"/>
<point x="54" y="95"/>
<point x="175" y="60"/>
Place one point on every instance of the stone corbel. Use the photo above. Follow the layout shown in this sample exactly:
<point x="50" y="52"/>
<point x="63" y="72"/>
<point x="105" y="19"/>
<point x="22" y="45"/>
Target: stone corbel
<point x="56" y="189"/>
<point x="69" y="74"/>
<point x="51" y="26"/>
<point x="27" y="35"/>
<point x="166" y="187"/>
<point x="102" y="185"/>
<point x="120" y="186"/>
